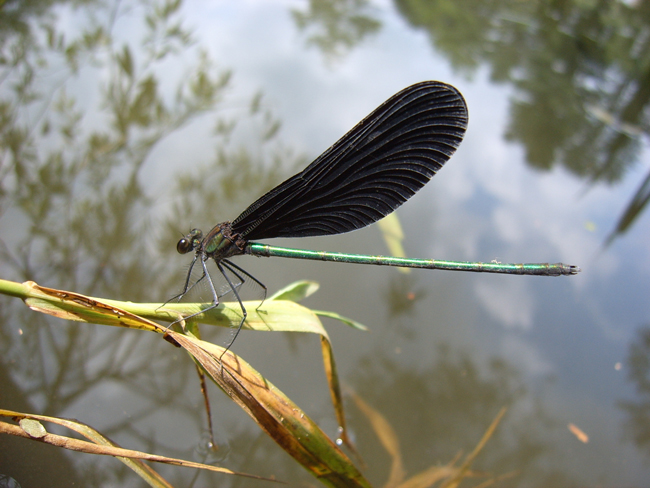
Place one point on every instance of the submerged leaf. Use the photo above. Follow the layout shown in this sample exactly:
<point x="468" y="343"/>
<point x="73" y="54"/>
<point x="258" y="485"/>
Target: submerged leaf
<point x="391" y="230"/>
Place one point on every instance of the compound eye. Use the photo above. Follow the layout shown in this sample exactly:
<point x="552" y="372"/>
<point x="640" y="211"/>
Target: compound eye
<point x="184" y="245"/>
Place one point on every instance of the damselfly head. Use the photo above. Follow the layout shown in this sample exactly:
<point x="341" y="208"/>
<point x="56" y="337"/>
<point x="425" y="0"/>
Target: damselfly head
<point x="190" y="242"/>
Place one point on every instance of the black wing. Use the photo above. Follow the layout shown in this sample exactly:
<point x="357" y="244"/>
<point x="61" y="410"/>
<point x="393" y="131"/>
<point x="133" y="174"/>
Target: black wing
<point x="369" y="172"/>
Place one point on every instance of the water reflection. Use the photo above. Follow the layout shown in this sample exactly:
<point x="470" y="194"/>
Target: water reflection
<point x="638" y="411"/>
<point x="455" y="402"/>
<point x="336" y="26"/>
<point x="403" y="294"/>
<point x="581" y="73"/>
<point x="81" y="117"/>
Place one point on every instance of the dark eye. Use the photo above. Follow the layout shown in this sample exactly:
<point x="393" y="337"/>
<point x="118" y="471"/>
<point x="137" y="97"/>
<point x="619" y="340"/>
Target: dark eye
<point x="184" y="245"/>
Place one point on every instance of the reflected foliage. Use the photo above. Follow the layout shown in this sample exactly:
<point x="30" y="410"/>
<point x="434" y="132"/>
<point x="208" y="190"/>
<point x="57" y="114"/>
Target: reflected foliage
<point x="81" y="113"/>
<point x="403" y="294"/>
<point x="336" y="26"/>
<point x="638" y="412"/>
<point x="632" y="211"/>
<point x="79" y="187"/>
<point x="456" y="400"/>
<point x="16" y="16"/>
<point x="581" y="72"/>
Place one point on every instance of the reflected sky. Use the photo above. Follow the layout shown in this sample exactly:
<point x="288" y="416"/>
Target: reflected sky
<point x="554" y="350"/>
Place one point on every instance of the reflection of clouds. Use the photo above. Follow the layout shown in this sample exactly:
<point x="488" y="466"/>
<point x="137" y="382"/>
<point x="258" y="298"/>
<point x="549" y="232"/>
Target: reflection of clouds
<point x="522" y="353"/>
<point x="507" y="224"/>
<point x="507" y="300"/>
<point x="540" y="215"/>
<point x="457" y="234"/>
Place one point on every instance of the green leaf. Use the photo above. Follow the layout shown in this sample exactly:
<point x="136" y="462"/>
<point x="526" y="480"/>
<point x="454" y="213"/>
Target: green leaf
<point x="296" y="291"/>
